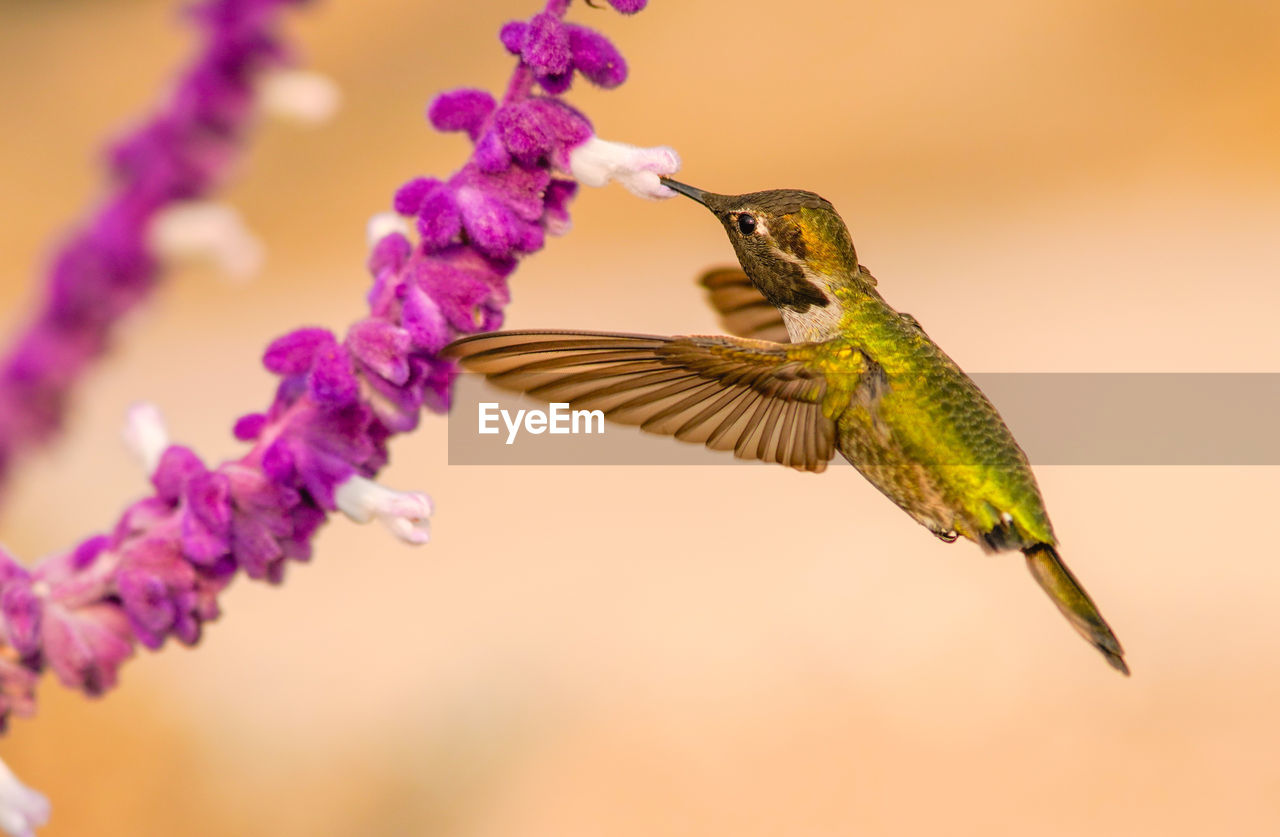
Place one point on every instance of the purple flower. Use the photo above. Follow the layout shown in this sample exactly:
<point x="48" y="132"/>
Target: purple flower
<point x="552" y="50"/>
<point x="461" y="110"/>
<point x="539" y="129"/>
<point x="339" y="400"/>
<point x="85" y="646"/>
<point x="105" y="268"/>
<point x="596" y="57"/>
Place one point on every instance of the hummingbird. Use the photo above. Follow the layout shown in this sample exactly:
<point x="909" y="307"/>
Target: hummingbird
<point x="816" y="363"/>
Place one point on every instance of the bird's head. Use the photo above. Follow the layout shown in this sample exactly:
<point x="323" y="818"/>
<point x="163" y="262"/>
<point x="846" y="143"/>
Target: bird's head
<point x="792" y="243"/>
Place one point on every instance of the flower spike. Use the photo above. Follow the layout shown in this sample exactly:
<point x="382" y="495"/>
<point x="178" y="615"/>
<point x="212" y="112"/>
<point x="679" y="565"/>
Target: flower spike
<point x="317" y="446"/>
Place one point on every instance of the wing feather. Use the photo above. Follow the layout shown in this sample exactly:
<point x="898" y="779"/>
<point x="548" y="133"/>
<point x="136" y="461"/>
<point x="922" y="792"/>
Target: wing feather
<point x="757" y="398"/>
<point x="743" y="310"/>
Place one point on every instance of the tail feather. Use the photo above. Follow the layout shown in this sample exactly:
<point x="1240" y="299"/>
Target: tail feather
<point x="1074" y="602"/>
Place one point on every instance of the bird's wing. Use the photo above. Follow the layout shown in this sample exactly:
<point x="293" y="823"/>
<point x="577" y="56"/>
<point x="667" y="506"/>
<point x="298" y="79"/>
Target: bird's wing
<point x="743" y="310"/>
<point x="748" y="396"/>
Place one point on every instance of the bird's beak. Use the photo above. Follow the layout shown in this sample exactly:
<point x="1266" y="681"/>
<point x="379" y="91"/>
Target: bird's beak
<point x="688" y="191"/>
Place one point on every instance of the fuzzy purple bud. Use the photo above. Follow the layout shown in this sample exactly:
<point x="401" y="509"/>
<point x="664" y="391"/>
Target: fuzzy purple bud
<point x="539" y="128"/>
<point x="85" y="647"/>
<point x="525" y="132"/>
<point x="208" y="499"/>
<point x="546" y="45"/>
<point x="461" y="110"/>
<point x="295" y="352"/>
<point x="493" y="228"/>
<point x="257" y="548"/>
<point x="558" y="195"/>
<point x="389" y="254"/>
<point x="150" y="608"/>
<point x="491" y="153"/>
<point x="596" y="57"/>
<point x="249" y="426"/>
<point x="422" y="318"/>
<point x="87" y="552"/>
<point x="513" y="35"/>
<point x="439" y="220"/>
<point x="177" y="468"/>
<point x="332" y="381"/>
<point x="409" y="197"/>
<point x="315" y="470"/>
<point x="462" y="282"/>
<point x="382" y="347"/>
<point x="206" y="521"/>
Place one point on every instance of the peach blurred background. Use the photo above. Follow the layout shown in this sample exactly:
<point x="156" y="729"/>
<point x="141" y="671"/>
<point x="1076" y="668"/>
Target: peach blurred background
<point x="1051" y="185"/>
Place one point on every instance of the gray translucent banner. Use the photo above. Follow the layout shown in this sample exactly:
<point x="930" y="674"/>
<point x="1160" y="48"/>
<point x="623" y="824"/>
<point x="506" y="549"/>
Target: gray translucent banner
<point x="1058" y="418"/>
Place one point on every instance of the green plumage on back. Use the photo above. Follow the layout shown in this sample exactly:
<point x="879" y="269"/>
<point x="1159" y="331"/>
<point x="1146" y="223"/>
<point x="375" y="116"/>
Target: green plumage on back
<point x="927" y="436"/>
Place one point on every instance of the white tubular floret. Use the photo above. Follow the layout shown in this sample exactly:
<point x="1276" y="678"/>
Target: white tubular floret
<point x="22" y="810"/>
<point x="405" y="513"/>
<point x="384" y="224"/>
<point x="206" y="230"/>
<point x="145" y="435"/>
<point x="596" y="162"/>
<point x="301" y="96"/>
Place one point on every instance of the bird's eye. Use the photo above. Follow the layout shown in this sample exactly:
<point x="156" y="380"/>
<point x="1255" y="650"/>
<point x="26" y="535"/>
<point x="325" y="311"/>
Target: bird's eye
<point x="746" y="224"/>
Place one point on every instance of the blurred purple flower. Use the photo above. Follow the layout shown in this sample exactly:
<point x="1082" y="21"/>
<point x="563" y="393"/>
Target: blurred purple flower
<point x="106" y="267"/>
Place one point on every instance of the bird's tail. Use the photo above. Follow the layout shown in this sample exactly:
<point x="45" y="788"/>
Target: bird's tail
<point x="1074" y="602"/>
